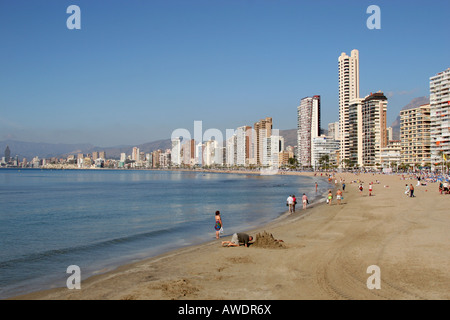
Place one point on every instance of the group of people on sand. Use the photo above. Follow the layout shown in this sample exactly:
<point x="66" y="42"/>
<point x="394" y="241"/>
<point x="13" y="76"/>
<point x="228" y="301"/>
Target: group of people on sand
<point x="444" y="187"/>
<point x="339" y="197"/>
<point x="291" y="201"/>
<point x="409" y="190"/>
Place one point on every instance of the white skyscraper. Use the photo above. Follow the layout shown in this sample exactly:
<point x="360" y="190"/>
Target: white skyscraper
<point x="348" y="91"/>
<point x="242" y="145"/>
<point x="308" y="127"/>
<point x="273" y="145"/>
<point x="231" y="151"/>
<point x="212" y="153"/>
<point x="176" y="152"/>
<point x="440" y="116"/>
<point x="135" y="154"/>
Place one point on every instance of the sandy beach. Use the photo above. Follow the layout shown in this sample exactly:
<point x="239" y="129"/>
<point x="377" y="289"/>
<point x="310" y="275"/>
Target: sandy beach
<point x="324" y="254"/>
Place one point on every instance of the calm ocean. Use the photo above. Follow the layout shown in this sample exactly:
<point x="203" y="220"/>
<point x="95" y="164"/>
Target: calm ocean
<point x="99" y="219"/>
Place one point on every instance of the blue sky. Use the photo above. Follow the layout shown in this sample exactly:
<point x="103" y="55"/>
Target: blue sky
<point x="137" y="70"/>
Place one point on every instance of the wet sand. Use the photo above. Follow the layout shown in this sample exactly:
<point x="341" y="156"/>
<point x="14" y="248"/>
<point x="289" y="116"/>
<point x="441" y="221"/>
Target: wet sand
<point x="325" y="254"/>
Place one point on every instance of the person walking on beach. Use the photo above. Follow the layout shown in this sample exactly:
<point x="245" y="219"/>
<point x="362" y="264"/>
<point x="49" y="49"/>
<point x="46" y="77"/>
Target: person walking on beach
<point x="304" y="201"/>
<point x="370" y="189"/>
<point x="411" y="191"/>
<point x="294" y="202"/>
<point x="339" y="196"/>
<point x="218" y="225"/>
<point x="361" y="188"/>
<point x="343" y="186"/>
<point x="407" y="191"/>
<point x="329" y="197"/>
<point x="316" y="187"/>
<point x="290" y="202"/>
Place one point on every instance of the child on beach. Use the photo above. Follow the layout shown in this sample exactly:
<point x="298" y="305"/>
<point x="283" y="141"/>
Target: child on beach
<point x="218" y="225"/>
<point x="329" y="197"/>
<point x="360" y="188"/>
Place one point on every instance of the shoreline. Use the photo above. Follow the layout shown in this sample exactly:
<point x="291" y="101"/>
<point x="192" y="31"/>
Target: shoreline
<point x="328" y="250"/>
<point x="283" y="218"/>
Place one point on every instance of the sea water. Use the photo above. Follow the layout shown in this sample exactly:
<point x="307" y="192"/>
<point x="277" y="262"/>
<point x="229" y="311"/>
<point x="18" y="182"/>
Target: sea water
<point x="100" y="219"/>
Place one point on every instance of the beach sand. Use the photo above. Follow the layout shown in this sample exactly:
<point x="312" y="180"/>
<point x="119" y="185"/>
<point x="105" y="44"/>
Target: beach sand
<point x="324" y="254"/>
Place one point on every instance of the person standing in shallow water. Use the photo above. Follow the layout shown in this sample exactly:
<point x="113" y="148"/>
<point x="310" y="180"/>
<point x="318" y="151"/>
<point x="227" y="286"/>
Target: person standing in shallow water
<point x="218" y="224"/>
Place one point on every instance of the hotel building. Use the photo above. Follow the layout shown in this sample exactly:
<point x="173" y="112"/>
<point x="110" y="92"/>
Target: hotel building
<point x="308" y="127"/>
<point x="176" y="151"/>
<point x="415" y="135"/>
<point x="440" y="115"/>
<point x="263" y="129"/>
<point x="374" y="133"/>
<point x="273" y="146"/>
<point x="323" y="146"/>
<point x="243" y="145"/>
<point x="348" y="91"/>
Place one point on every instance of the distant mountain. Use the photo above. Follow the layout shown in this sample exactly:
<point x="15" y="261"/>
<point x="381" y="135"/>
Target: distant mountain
<point x="290" y="137"/>
<point x="43" y="150"/>
<point x="30" y="150"/>
<point x="416" y="102"/>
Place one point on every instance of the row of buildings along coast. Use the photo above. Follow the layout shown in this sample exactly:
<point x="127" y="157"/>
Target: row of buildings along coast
<point x="359" y="139"/>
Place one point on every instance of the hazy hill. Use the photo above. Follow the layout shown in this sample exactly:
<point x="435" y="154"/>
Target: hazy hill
<point x="43" y="150"/>
<point x="290" y="137"/>
<point x="47" y="150"/>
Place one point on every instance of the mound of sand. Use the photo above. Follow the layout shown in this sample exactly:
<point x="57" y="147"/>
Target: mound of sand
<point x="266" y="240"/>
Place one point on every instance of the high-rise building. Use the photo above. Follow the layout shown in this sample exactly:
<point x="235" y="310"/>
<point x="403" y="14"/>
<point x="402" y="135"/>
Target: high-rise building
<point x="156" y="158"/>
<point x="348" y="91"/>
<point x="176" y="151"/>
<point x="354" y="131"/>
<point x="187" y="152"/>
<point x="242" y="145"/>
<point x="366" y="131"/>
<point x="374" y="133"/>
<point x="135" y="154"/>
<point x="415" y="135"/>
<point x="263" y="129"/>
<point x="7" y="154"/>
<point x="308" y="127"/>
<point x="212" y="153"/>
<point x="440" y="116"/>
<point x="273" y="145"/>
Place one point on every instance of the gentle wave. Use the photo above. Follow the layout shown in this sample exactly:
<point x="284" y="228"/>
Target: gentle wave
<point x="34" y="257"/>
